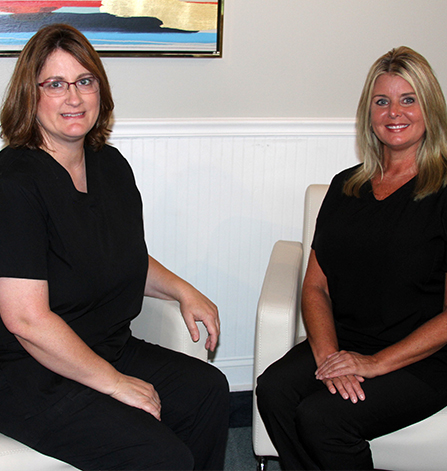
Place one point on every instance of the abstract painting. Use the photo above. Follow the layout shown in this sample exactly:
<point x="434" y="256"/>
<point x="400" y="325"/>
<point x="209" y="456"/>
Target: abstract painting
<point x="121" y="27"/>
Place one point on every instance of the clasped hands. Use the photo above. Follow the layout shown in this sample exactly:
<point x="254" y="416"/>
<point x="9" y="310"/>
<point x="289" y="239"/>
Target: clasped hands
<point x="343" y="372"/>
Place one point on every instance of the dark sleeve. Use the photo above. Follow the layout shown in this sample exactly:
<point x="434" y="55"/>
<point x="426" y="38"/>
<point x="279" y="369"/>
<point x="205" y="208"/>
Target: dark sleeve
<point x="331" y="198"/>
<point x="23" y="232"/>
<point x="444" y="226"/>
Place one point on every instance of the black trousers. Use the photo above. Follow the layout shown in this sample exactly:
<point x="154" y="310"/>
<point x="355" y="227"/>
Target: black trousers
<point x="92" y="431"/>
<point x="315" y="430"/>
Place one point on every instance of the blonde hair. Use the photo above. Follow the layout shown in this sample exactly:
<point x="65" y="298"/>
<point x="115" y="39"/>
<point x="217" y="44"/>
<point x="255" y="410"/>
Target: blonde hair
<point x="431" y="156"/>
<point x="18" y="116"/>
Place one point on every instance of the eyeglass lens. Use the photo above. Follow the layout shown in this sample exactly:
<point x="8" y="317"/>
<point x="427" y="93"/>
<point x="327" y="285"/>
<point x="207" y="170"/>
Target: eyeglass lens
<point x="60" y="87"/>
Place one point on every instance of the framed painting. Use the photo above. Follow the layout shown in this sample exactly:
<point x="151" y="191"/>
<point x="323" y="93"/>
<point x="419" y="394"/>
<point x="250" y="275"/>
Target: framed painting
<point x="190" y="28"/>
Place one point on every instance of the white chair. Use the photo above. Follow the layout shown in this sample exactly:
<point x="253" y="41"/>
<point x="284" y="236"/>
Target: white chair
<point x="420" y="446"/>
<point x="160" y="322"/>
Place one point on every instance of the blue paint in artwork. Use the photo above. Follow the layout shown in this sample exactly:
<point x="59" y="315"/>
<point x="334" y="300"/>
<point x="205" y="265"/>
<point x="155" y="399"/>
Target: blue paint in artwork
<point x="150" y="38"/>
<point x="98" y="39"/>
<point x="78" y="10"/>
<point x="17" y="39"/>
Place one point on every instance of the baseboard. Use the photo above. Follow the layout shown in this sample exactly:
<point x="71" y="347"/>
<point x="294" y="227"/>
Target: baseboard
<point x="239" y="372"/>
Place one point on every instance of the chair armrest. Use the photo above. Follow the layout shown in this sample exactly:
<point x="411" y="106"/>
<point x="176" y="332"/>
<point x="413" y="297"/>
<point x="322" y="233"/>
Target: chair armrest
<point x="277" y="307"/>
<point x="161" y="322"/>
<point x="275" y="323"/>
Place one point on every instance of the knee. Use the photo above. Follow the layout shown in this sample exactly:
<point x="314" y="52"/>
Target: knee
<point x="211" y="387"/>
<point x="268" y="389"/>
<point x="263" y="388"/>
<point x="218" y="381"/>
<point x="214" y="383"/>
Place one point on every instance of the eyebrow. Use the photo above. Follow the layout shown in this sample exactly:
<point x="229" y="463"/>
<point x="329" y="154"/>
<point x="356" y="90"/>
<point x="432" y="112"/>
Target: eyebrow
<point x="386" y="96"/>
<point x="62" y="79"/>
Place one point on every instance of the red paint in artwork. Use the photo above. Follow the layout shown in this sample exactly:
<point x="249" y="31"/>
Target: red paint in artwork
<point x="30" y="6"/>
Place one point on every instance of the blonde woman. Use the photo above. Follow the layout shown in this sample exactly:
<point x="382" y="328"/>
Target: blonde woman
<point x="374" y="295"/>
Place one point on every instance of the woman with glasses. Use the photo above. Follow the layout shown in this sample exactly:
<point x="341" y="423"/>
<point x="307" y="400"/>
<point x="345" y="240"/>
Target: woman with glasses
<point x="74" y="268"/>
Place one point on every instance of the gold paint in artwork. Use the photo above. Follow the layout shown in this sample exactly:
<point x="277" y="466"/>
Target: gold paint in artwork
<point x="173" y="13"/>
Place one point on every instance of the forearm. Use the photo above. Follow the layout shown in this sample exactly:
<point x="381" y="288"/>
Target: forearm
<point x="57" y="347"/>
<point x="194" y="306"/>
<point x="420" y="344"/>
<point x="319" y="322"/>
<point x="316" y="306"/>
<point x="162" y="283"/>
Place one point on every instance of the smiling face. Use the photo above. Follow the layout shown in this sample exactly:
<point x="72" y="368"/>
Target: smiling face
<point x="396" y="115"/>
<point x="68" y="118"/>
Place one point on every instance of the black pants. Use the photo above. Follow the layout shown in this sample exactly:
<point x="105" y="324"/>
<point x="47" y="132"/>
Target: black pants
<point x="92" y="431"/>
<point x="313" y="429"/>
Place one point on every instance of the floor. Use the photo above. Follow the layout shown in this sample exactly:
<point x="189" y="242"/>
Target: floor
<point x="239" y="455"/>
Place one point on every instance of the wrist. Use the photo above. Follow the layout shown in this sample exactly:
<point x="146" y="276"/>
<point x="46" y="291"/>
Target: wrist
<point x="110" y="380"/>
<point x="322" y="355"/>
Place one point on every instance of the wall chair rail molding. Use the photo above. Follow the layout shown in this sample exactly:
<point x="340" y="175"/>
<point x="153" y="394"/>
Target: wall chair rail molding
<point x="233" y="127"/>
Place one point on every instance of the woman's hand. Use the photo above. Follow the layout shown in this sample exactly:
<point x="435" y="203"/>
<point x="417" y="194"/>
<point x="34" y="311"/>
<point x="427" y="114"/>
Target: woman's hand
<point x="344" y="371"/>
<point x="345" y="363"/>
<point x="196" y="307"/>
<point x="348" y="386"/>
<point x="137" y="393"/>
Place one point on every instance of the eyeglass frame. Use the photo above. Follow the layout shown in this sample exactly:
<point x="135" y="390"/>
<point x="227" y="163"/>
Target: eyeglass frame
<point x="92" y="77"/>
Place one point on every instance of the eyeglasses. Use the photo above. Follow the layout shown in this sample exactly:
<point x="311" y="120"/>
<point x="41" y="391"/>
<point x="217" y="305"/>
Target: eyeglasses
<point x="84" y="85"/>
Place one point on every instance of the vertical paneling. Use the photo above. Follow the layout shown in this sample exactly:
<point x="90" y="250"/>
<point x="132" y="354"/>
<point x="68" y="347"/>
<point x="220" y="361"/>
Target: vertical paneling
<point x="216" y="201"/>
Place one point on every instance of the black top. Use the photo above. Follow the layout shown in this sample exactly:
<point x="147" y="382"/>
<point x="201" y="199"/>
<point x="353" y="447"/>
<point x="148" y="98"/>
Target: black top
<point x="88" y="246"/>
<point x="385" y="262"/>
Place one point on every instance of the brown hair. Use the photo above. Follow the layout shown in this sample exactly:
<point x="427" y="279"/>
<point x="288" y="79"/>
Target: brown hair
<point x="18" y="116"/>
<point x="431" y="157"/>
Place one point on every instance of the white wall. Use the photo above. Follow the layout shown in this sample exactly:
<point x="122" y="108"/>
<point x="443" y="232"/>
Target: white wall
<point x="281" y="58"/>
<point x="219" y="194"/>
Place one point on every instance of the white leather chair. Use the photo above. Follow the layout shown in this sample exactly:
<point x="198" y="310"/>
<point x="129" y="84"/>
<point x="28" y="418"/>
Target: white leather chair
<point x="420" y="446"/>
<point x="160" y="322"/>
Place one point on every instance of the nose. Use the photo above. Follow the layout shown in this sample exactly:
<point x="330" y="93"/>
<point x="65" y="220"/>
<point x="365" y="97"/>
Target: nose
<point x="394" y="110"/>
<point x="73" y="95"/>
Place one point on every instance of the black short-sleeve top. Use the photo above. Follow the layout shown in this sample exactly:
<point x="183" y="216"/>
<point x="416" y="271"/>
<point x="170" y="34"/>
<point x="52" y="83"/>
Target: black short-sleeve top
<point x="385" y="263"/>
<point x="89" y="246"/>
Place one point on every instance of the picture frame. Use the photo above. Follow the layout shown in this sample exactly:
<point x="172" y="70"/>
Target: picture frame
<point x="121" y="28"/>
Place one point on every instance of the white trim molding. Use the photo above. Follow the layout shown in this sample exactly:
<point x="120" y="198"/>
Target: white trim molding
<point x="215" y="127"/>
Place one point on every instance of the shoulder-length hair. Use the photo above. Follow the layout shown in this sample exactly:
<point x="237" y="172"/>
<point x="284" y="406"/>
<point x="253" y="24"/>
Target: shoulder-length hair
<point x="18" y="117"/>
<point x="431" y="156"/>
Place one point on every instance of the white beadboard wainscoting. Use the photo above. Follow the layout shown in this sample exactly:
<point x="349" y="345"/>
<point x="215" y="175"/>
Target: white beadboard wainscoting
<point x="218" y="194"/>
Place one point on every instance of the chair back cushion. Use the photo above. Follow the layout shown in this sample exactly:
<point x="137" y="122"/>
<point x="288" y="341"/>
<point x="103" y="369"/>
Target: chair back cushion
<point x="312" y="201"/>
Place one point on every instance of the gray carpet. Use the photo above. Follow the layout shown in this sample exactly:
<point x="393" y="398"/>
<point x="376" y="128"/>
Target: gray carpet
<point x="239" y="455"/>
